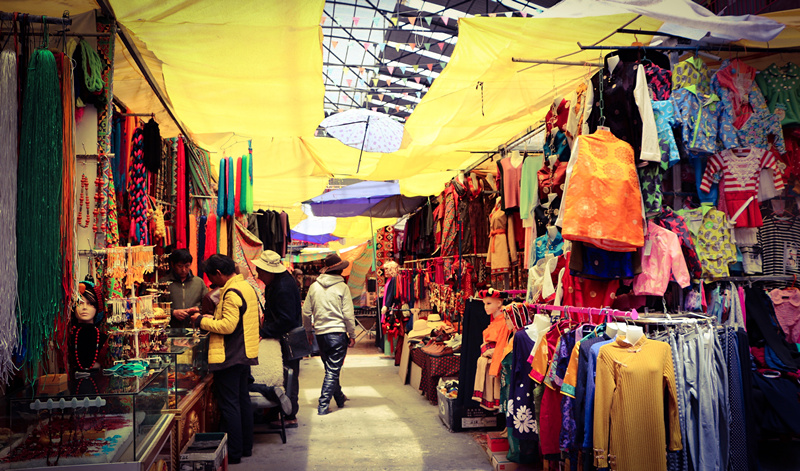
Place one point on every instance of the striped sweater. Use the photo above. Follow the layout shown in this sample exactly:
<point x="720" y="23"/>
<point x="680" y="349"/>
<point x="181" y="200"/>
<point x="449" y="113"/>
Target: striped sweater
<point x="740" y="169"/>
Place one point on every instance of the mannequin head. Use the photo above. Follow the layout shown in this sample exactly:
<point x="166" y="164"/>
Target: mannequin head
<point x="390" y="268"/>
<point x="88" y="303"/>
<point x="492" y="301"/>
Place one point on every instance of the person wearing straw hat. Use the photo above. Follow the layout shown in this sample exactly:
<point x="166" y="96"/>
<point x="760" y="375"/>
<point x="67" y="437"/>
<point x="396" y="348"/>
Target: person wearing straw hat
<point x="282" y="313"/>
<point x="328" y="309"/>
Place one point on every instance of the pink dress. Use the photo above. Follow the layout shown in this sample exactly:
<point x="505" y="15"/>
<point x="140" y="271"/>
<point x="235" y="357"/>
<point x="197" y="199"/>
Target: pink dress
<point x="661" y="257"/>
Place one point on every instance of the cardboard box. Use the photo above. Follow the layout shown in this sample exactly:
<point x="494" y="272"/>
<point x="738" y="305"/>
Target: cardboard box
<point x="501" y="463"/>
<point x="415" y="377"/>
<point x="478" y="417"/>
<point x="496" y="442"/>
<point x="205" y="452"/>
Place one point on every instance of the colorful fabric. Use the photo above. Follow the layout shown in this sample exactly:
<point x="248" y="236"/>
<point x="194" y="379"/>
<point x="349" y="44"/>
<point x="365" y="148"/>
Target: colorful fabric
<point x="181" y="209"/>
<point x="586" y="292"/>
<point x="701" y="118"/>
<point x="712" y="236"/>
<point x="110" y="203"/>
<point x="787" y="311"/>
<point x="650" y="179"/>
<point x="661" y="259"/>
<point x="744" y="107"/>
<point x="779" y="238"/>
<point x="665" y="120"/>
<point x="780" y="86"/>
<point x="740" y="169"/>
<point x="675" y="224"/>
<point x="449" y="221"/>
<point x="502" y="245"/>
<point x="544" y="245"/>
<point x="590" y="262"/>
<point x="659" y="81"/>
<point x="137" y="193"/>
<point x="692" y="72"/>
<point x="603" y="201"/>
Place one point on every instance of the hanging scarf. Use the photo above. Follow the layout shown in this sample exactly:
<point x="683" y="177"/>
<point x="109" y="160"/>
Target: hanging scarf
<point x="180" y="191"/>
<point x="221" y="187"/>
<point x="231" y="192"/>
<point x="137" y="191"/>
<point x="238" y="198"/>
<point x="193" y="240"/>
<point x="250" y="181"/>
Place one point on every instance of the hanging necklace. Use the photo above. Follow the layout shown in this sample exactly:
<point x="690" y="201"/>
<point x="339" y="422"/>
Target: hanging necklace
<point x="84" y="198"/>
<point x="99" y="209"/>
<point x="96" y="349"/>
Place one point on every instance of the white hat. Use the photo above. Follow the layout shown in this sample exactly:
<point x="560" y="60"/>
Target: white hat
<point x="434" y="321"/>
<point x="270" y="261"/>
<point x="420" y="329"/>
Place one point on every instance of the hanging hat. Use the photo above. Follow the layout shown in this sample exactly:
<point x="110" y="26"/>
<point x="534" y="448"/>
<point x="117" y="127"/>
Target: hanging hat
<point x="334" y="262"/>
<point x="434" y="321"/>
<point x="420" y="329"/>
<point x="492" y="293"/>
<point x="270" y="261"/>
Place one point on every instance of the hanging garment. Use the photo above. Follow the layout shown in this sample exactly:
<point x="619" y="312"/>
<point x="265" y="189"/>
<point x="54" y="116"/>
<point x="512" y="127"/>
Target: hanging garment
<point x="744" y="107"/>
<point x="779" y="238"/>
<point x="787" y="311"/>
<point x="625" y="92"/>
<point x="585" y="292"/>
<point x="512" y="180"/>
<point x="587" y="261"/>
<point x="666" y="119"/>
<point x="671" y="221"/>
<point x="603" y="201"/>
<point x="529" y="188"/>
<point x="502" y="243"/>
<point x="651" y="178"/>
<point x="700" y="116"/>
<point x="659" y="81"/>
<point x="580" y="107"/>
<point x="449" y="220"/>
<point x="712" y="235"/>
<point x="475" y="322"/>
<point x="487" y="382"/>
<point x="661" y="259"/>
<point x="637" y="377"/>
<point x="740" y="170"/>
<point x="780" y="86"/>
<point x="520" y="418"/>
<point x="691" y="72"/>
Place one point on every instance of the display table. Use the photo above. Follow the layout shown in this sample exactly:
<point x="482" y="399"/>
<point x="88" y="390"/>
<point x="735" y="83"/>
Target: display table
<point x="434" y="368"/>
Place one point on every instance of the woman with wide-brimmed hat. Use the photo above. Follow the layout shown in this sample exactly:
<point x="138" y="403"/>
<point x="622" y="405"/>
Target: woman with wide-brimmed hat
<point x="328" y="309"/>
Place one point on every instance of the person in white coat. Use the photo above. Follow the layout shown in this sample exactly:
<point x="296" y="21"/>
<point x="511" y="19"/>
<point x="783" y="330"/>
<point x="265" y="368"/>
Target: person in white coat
<point x="328" y="314"/>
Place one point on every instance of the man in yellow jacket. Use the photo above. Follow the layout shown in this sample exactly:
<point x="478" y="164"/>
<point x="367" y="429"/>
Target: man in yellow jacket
<point x="233" y="347"/>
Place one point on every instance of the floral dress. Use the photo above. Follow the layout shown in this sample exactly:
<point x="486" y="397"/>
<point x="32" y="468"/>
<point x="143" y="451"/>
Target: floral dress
<point x="520" y="418"/>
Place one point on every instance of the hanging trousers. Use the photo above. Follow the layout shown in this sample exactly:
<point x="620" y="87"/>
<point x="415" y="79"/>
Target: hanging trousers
<point x="233" y="398"/>
<point x="332" y="349"/>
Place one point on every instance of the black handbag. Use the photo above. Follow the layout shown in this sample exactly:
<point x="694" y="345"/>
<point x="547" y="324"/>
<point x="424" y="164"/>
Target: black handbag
<point x="295" y="344"/>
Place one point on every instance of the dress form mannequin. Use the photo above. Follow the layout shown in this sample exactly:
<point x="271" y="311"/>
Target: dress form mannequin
<point x="516" y="158"/>
<point x="611" y="329"/>
<point x="487" y="386"/>
<point x="86" y="341"/>
<point x="633" y="335"/>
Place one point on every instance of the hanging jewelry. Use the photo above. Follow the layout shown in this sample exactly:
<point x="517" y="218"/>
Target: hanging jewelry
<point x="96" y="350"/>
<point x="98" y="198"/>
<point x="84" y="198"/>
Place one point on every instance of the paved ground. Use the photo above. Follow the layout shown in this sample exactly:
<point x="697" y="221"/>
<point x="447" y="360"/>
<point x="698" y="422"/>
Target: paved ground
<point x="384" y="426"/>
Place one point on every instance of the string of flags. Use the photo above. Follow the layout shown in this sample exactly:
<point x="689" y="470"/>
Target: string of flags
<point x="412" y="20"/>
<point x="381" y="46"/>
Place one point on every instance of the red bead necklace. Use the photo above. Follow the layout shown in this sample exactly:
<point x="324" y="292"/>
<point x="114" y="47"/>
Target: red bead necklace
<point x="84" y="198"/>
<point x="96" y="349"/>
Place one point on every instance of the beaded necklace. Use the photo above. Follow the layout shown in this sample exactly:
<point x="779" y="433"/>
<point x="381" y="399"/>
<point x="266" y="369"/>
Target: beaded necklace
<point x="96" y="350"/>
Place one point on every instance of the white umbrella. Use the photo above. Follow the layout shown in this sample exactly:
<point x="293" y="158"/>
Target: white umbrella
<point x="365" y="130"/>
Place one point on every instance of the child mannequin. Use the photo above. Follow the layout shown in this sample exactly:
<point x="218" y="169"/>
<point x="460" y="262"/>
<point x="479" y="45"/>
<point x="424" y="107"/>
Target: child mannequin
<point x="86" y="343"/>
<point x="487" y="381"/>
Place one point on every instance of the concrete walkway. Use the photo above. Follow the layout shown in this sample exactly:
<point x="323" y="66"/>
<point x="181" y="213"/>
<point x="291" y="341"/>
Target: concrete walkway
<point x="384" y="426"/>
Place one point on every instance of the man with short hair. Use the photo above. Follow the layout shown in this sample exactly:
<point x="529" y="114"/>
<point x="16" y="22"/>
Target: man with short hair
<point x="283" y="313"/>
<point x="232" y="349"/>
<point x="186" y="291"/>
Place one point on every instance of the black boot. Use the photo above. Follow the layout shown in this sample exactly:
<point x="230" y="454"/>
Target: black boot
<point x="341" y="399"/>
<point x="322" y="410"/>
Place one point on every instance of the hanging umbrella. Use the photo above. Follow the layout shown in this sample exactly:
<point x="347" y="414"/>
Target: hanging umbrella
<point x="365" y="130"/>
<point x="395" y="206"/>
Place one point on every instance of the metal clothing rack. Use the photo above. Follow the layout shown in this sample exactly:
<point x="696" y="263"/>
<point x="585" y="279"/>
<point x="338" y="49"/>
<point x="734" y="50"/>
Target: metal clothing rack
<point x="727" y="48"/>
<point x="592" y="311"/>
<point x="448" y="257"/>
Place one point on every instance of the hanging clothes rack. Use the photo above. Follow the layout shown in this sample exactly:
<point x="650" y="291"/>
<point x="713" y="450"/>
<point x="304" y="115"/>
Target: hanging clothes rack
<point x="448" y="257"/>
<point x="592" y="311"/>
<point x="556" y="62"/>
<point x="720" y="48"/>
<point x="51" y="20"/>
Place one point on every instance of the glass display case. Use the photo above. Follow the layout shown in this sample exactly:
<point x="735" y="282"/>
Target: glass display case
<point x="186" y="359"/>
<point x="99" y="419"/>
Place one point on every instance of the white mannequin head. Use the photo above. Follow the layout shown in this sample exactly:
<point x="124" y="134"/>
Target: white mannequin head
<point x="492" y="301"/>
<point x="390" y="268"/>
<point x="85" y="311"/>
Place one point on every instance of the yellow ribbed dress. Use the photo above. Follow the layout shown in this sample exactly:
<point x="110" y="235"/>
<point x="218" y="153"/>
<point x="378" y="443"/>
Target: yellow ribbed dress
<point x="629" y="429"/>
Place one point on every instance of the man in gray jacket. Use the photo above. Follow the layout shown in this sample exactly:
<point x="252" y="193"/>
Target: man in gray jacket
<point x="328" y="308"/>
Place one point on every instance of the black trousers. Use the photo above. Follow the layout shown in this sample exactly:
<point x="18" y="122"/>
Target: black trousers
<point x="332" y="349"/>
<point x="294" y="388"/>
<point x="233" y="397"/>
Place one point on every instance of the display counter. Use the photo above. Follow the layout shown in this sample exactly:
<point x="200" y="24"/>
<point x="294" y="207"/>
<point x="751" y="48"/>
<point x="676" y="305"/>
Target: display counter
<point x="434" y="368"/>
<point x="186" y="358"/>
<point x="118" y="422"/>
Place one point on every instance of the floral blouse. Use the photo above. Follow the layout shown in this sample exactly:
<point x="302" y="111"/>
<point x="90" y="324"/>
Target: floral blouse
<point x="748" y="121"/>
<point x="712" y="235"/>
<point x="661" y="258"/>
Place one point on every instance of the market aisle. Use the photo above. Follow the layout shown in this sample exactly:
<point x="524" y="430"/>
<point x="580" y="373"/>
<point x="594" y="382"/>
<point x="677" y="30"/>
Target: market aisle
<point x="383" y="426"/>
